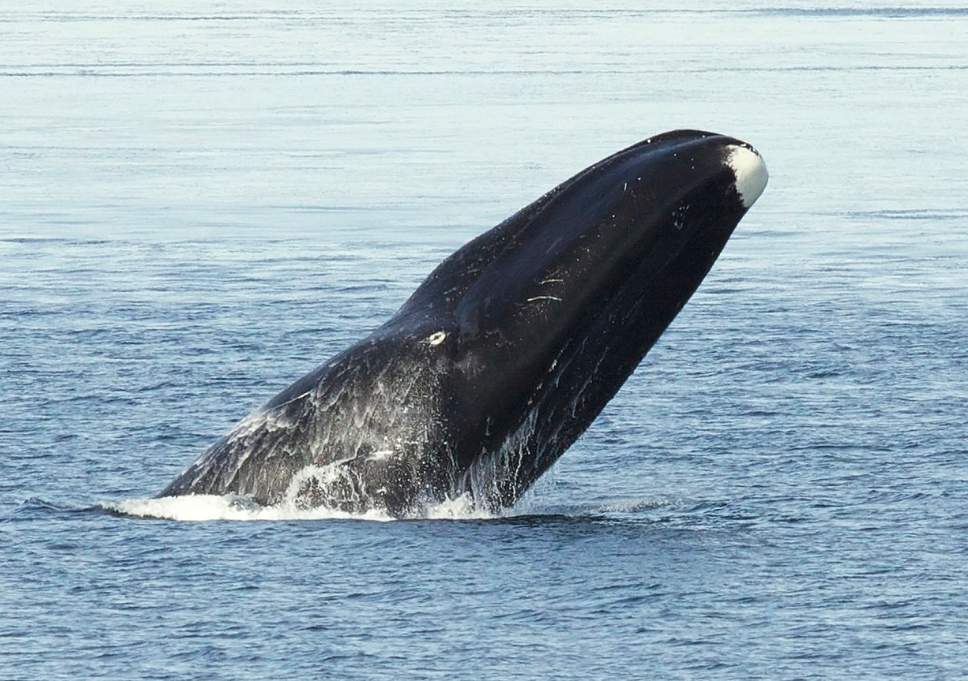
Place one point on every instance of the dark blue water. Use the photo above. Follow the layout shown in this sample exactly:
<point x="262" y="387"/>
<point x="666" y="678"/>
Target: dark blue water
<point x="199" y="204"/>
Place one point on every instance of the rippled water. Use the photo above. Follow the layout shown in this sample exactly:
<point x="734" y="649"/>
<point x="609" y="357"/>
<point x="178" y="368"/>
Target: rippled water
<point x="199" y="204"/>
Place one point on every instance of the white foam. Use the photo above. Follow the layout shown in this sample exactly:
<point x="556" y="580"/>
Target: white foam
<point x="458" y="508"/>
<point x="202" y="507"/>
<point x="750" y="172"/>
<point x="209" y="507"/>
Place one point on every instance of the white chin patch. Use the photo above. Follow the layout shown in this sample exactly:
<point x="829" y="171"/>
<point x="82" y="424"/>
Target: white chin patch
<point x="750" y="172"/>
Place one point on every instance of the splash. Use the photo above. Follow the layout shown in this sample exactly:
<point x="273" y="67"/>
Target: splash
<point x="201" y="507"/>
<point x="460" y="508"/>
<point x="206" y="507"/>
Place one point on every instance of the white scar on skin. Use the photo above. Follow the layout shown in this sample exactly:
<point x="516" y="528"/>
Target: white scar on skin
<point x="436" y="338"/>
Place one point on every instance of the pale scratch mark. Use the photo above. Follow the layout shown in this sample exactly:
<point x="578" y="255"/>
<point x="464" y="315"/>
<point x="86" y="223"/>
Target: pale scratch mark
<point x="551" y="281"/>
<point x="380" y="455"/>
<point x="531" y="300"/>
<point x="283" y="404"/>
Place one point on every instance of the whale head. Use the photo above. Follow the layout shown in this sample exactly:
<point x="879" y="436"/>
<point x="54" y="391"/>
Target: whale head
<point x="537" y="323"/>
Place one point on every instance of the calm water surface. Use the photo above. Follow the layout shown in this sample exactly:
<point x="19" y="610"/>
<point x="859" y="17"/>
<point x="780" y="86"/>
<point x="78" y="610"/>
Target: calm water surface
<point x="200" y="203"/>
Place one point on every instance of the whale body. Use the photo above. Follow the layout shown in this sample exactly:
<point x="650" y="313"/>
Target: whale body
<point x="507" y="352"/>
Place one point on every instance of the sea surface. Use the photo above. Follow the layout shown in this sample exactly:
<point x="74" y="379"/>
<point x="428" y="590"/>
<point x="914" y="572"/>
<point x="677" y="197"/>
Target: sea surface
<point x="200" y="202"/>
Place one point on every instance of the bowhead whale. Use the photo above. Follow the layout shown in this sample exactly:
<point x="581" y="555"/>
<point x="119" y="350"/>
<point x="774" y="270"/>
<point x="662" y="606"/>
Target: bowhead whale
<point x="508" y="351"/>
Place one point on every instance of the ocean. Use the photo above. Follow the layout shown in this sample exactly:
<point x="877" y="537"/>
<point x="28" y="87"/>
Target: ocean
<point x="200" y="202"/>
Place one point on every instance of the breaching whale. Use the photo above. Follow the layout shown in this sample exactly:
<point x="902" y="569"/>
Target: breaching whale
<point x="508" y="351"/>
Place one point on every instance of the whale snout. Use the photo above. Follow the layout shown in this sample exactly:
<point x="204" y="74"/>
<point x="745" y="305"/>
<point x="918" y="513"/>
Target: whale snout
<point x="750" y="172"/>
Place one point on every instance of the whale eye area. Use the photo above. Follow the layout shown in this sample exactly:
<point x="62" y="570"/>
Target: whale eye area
<point x="436" y="338"/>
